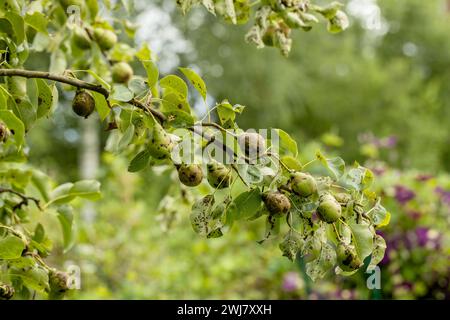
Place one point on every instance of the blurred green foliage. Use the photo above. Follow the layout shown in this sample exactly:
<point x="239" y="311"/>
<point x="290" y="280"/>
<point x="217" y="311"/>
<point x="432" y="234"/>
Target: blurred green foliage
<point x="359" y="81"/>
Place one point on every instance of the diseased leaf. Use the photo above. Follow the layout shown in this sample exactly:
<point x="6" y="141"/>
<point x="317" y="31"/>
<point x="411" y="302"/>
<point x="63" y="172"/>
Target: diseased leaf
<point x="45" y="98"/>
<point x="196" y="81"/>
<point x="14" y="124"/>
<point x="378" y="251"/>
<point x="291" y="244"/>
<point x="200" y="215"/>
<point x="317" y="268"/>
<point x="152" y="72"/>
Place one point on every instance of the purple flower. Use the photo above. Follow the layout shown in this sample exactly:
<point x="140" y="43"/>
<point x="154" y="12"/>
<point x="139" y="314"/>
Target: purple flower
<point x="291" y="282"/>
<point x="403" y="194"/>
<point x="444" y="195"/>
<point x="422" y="236"/>
<point x="390" y="142"/>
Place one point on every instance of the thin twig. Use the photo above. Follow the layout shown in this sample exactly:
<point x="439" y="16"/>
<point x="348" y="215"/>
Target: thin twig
<point x="24" y="198"/>
<point x="55" y="77"/>
<point x="78" y="84"/>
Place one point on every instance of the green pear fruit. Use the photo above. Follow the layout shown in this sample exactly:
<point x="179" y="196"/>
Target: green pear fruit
<point x="83" y="103"/>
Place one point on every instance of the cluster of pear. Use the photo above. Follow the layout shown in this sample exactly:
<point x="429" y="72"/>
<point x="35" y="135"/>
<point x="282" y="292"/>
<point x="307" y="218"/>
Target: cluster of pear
<point x="121" y="72"/>
<point x="329" y="210"/>
<point x="303" y="185"/>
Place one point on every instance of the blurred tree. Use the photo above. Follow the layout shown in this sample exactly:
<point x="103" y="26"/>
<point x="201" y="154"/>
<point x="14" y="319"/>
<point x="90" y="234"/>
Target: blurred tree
<point x="390" y="78"/>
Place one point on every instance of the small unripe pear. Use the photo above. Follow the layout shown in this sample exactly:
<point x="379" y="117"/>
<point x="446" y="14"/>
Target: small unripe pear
<point x="268" y="37"/>
<point x="190" y="175"/>
<point x="81" y="38"/>
<point x="122" y="72"/>
<point x="58" y="282"/>
<point x="83" y="103"/>
<point x="105" y="38"/>
<point x="252" y="143"/>
<point x="161" y="145"/>
<point x="343" y="198"/>
<point x="303" y="184"/>
<point x="347" y="258"/>
<point x="276" y="203"/>
<point x="4" y="132"/>
<point x="6" y="292"/>
<point x="329" y="209"/>
<point x="219" y="176"/>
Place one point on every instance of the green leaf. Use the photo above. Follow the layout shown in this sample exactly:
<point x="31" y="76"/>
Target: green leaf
<point x="24" y="110"/>
<point x="335" y="165"/>
<point x="41" y="182"/>
<point x="378" y="251"/>
<point x="225" y="112"/>
<point x="99" y="79"/>
<point x="11" y="247"/>
<point x="272" y="228"/>
<point x="45" y="98"/>
<point x="196" y="81"/>
<point x="14" y="123"/>
<point x="89" y="189"/>
<point x="173" y="101"/>
<point x="152" y="72"/>
<point x="144" y="53"/>
<point x="245" y="205"/>
<point x="140" y="161"/>
<point x="126" y="138"/>
<point x="174" y="83"/>
<point x="359" y="178"/>
<point x="379" y="215"/>
<point x="292" y="163"/>
<point x="39" y="233"/>
<point x="121" y="93"/>
<point x="318" y="268"/>
<point x="18" y="26"/>
<point x="179" y="119"/>
<point x="58" y="62"/>
<point x="362" y="239"/>
<point x="101" y="105"/>
<point x="22" y="262"/>
<point x="34" y="278"/>
<point x="287" y="145"/>
<point x="65" y="217"/>
<point x="38" y="21"/>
